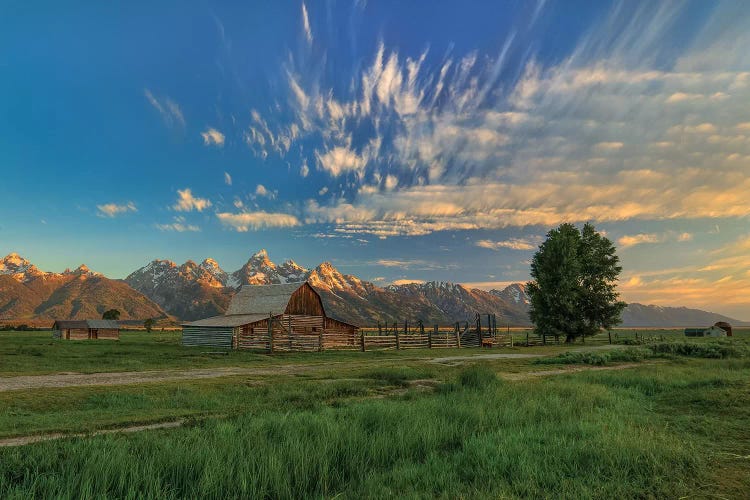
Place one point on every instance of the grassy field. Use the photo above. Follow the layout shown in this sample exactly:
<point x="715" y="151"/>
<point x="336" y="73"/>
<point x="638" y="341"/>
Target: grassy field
<point x="383" y="423"/>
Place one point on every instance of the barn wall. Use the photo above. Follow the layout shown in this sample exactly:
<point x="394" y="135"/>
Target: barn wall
<point x="308" y="333"/>
<point x="220" y="337"/>
<point x="109" y="333"/>
<point x="79" y="333"/>
<point x="340" y="335"/>
<point x="305" y="301"/>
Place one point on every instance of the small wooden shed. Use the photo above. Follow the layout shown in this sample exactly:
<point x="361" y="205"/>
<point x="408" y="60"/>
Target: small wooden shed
<point x="284" y="317"/>
<point x="86" y="329"/>
<point x="725" y="326"/>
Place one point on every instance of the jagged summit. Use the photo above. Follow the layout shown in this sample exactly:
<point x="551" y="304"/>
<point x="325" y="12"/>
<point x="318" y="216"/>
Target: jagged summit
<point x="20" y="268"/>
<point x="514" y="293"/>
<point x="82" y="270"/>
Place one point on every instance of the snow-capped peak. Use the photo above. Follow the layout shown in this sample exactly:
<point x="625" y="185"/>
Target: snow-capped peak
<point x="19" y="268"/>
<point x="82" y="270"/>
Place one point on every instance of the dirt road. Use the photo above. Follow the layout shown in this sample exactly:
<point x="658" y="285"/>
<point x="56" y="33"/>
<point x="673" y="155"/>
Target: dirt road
<point x="126" y="378"/>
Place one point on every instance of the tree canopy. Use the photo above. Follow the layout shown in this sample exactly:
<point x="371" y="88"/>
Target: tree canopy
<point x="573" y="289"/>
<point x="149" y="324"/>
<point x="111" y="314"/>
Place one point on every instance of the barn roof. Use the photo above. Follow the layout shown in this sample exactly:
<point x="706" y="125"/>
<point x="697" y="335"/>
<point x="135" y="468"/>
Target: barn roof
<point x="228" y="320"/>
<point x="65" y="324"/>
<point x="262" y="299"/>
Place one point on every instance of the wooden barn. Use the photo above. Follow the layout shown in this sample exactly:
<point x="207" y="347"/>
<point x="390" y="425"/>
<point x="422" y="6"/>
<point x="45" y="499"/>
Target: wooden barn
<point x="86" y="329"/>
<point x="286" y="317"/>
<point x="725" y="326"/>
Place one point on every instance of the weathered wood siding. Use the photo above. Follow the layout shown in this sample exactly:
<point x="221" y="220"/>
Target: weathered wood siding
<point x="208" y="336"/>
<point x="340" y="335"/>
<point x="298" y="332"/>
<point x="77" y="334"/>
<point x="108" y="334"/>
<point x="305" y="301"/>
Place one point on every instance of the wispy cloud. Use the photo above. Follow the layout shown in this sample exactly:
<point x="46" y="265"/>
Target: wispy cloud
<point x="306" y="24"/>
<point x="115" y="209"/>
<point x="639" y="239"/>
<point x="632" y="240"/>
<point x="186" y="202"/>
<point x="227" y="179"/>
<point x="179" y="225"/>
<point x="245" y="221"/>
<point x="168" y="109"/>
<point x="212" y="137"/>
<point x="462" y="143"/>
<point x="512" y="243"/>
<point x="407" y="282"/>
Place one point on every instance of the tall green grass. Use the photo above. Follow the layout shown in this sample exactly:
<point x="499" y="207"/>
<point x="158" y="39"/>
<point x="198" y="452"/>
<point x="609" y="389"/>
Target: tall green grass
<point x="711" y="350"/>
<point x="574" y="437"/>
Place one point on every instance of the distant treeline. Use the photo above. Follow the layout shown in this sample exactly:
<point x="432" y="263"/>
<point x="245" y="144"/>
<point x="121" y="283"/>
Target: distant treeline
<point x="21" y="328"/>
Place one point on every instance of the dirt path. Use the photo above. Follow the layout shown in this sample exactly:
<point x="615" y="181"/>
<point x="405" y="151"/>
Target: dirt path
<point x="476" y="357"/>
<point x="457" y="360"/>
<point x="24" y="440"/>
<point x="25" y="382"/>
<point x="125" y="378"/>
<point x="567" y="370"/>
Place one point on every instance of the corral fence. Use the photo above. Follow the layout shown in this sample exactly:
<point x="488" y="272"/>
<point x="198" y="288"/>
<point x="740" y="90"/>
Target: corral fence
<point x="289" y="333"/>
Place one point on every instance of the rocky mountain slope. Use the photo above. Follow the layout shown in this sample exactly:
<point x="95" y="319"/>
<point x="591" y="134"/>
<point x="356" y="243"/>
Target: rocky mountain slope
<point x="189" y="291"/>
<point x="657" y="316"/>
<point x="29" y="293"/>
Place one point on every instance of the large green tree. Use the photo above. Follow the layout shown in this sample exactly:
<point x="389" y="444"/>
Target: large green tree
<point x="111" y="314"/>
<point x="573" y="289"/>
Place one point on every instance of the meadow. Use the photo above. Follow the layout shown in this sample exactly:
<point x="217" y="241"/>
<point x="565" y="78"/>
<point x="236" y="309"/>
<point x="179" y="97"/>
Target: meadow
<point x="671" y="423"/>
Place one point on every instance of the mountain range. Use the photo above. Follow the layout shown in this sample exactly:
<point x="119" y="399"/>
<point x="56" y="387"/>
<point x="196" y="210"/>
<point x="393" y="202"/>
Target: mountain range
<point x="29" y="293"/>
<point x="164" y="289"/>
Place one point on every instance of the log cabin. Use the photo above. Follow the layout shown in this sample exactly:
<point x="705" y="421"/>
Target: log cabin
<point x="283" y="317"/>
<point x="86" y="329"/>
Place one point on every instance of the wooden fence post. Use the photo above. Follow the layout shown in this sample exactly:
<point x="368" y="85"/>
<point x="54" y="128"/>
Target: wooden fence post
<point x="290" y="332"/>
<point x="398" y="342"/>
<point x="270" y="332"/>
<point x="458" y="335"/>
<point x="320" y="340"/>
<point x="429" y="337"/>
<point x="527" y="338"/>
<point x="362" y="339"/>
<point x="609" y="334"/>
<point x="380" y="329"/>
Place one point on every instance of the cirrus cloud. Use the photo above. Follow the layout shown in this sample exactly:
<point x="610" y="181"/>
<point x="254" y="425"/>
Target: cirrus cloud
<point x="245" y="221"/>
<point x="115" y="209"/>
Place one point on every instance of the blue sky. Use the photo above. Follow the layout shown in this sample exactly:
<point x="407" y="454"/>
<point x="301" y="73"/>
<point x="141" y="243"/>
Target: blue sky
<point x="399" y="140"/>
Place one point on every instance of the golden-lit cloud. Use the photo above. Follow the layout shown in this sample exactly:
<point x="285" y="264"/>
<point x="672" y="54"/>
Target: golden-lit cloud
<point x="179" y="225"/>
<point x="513" y="244"/>
<point x="186" y="202"/>
<point x="245" y="221"/>
<point x="212" y="137"/>
<point x="115" y="209"/>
